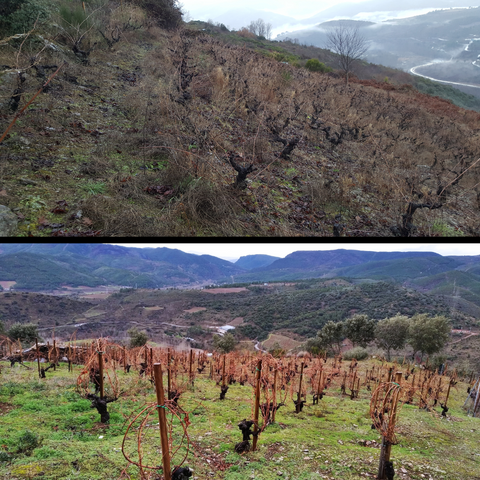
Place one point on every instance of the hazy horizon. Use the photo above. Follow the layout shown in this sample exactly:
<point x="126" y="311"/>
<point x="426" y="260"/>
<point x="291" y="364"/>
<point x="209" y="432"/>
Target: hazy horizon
<point x="233" y="251"/>
<point x="269" y="11"/>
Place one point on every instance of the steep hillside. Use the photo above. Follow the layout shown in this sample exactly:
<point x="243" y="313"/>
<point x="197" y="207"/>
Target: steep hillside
<point x="45" y="267"/>
<point x="464" y="285"/>
<point x="177" y="133"/>
<point x="40" y="272"/>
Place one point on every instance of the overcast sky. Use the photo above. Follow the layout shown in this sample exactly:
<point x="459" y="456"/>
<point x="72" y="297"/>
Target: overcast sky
<point x="305" y="8"/>
<point x="233" y="251"/>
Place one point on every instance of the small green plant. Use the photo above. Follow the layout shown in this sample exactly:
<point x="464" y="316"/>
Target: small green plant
<point x="27" y="442"/>
<point x="444" y="230"/>
<point x="286" y="77"/>
<point x="94" y="188"/>
<point x="46" y="452"/>
<point x="4" y="456"/>
<point x="315" y="65"/>
<point x="33" y="202"/>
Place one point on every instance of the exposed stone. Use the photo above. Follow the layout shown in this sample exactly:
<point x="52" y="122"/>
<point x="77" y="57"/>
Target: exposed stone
<point x="8" y="222"/>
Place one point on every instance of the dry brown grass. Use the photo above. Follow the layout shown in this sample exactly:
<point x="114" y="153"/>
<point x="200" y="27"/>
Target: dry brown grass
<point x="114" y="218"/>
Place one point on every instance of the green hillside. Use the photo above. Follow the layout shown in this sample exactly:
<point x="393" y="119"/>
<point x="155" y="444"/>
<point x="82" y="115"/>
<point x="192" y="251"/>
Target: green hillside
<point x="465" y="285"/>
<point x="400" y="270"/>
<point x="39" y="272"/>
<point x="303" y="312"/>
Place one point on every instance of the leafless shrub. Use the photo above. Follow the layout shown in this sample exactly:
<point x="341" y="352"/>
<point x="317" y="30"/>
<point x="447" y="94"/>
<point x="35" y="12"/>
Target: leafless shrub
<point x="245" y="33"/>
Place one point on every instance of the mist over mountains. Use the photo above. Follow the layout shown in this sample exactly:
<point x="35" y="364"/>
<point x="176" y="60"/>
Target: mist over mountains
<point x="432" y="39"/>
<point x="236" y="16"/>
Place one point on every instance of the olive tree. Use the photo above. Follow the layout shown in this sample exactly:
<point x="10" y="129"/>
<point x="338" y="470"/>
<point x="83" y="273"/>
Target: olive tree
<point x="25" y="332"/>
<point x="348" y="44"/>
<point x="359" y="329"/>
<point x="391" y="333"/>
<point x="225" y="343"/>
<point x="137" y="338"/>
<point x="331" y="336"/>
<point x="428" y="334"/>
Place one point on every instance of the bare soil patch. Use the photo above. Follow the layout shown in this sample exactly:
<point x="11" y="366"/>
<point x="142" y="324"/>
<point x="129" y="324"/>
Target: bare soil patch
<point x="284" y="342"/>
<point x="226" y="290"/>
<point x="7" y="284"/>
<point x="237" y="321"/>
<point x="5" y="408"/>
<point x="98" y="296"/>
<point x="195" y="309"/>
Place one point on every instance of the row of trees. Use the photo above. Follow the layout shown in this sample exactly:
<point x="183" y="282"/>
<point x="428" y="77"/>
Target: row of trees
<point x="424" y="334"/>
<point x="26" y="333"/>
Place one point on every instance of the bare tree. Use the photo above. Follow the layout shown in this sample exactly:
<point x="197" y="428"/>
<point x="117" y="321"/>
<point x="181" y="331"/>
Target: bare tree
<point x="268" y="31"/>
<point x="260" y="28"/>
<point x="349" y="44"/>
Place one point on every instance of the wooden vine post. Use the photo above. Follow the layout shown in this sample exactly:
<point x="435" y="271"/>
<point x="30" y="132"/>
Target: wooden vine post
<point x="320" y="384"/>
<point x="298" y="406"/>
<point x="223" y="372"/>
<point x="162" y="418"/>
<point x="151" y="363"/>
<point x="100" y="368"/>
<point x="169" y="376"/>
<point x="274" y="395"/>
<point x="55" y="355"/>
<point x="257" y="405"/>
<point x="124" y="360"/>
<point x="190" y="375"/>
<point x="386" y="450"/>
<point x="70" y="368"/>
<point x="448" y="391"/>
<point x="38" y="358"/>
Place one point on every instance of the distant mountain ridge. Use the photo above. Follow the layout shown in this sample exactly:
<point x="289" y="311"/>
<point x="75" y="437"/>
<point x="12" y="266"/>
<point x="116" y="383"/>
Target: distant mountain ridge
<point x="40" y="267"/>
<point x="327" y="260"/>
<point x="97" y="264"/>
<point x="250" y="262"/>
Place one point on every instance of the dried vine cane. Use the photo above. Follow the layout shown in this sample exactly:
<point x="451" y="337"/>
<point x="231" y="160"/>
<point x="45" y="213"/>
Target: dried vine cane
<point x="383" y="411"/>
